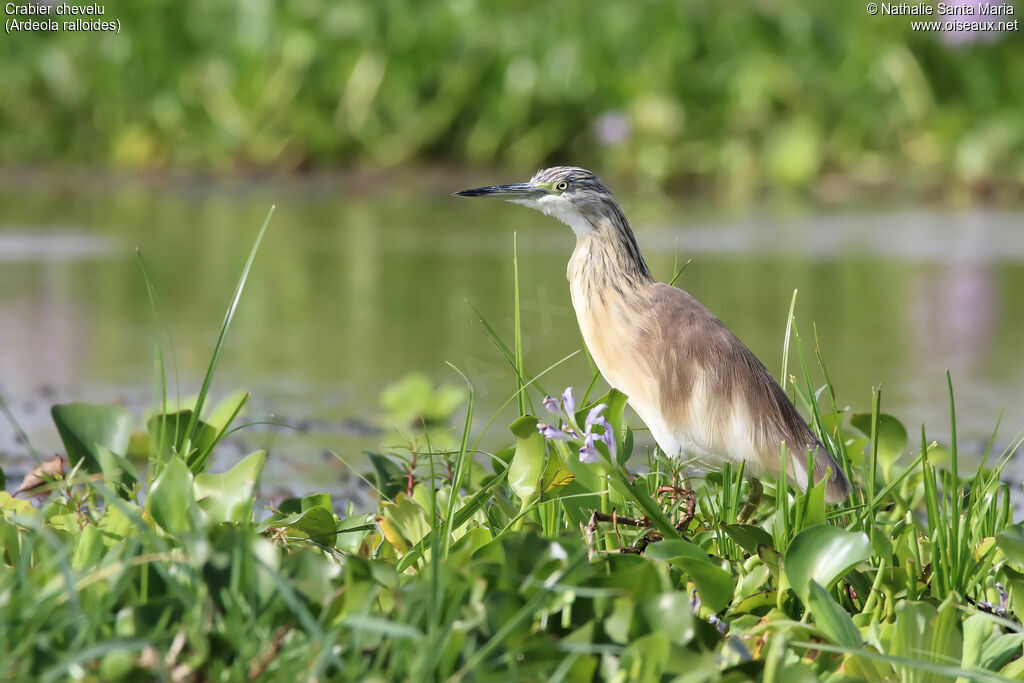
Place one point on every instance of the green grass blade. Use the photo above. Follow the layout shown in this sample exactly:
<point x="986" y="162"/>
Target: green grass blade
<point x="461" y="466"/>
<point x="228" y="317"/>
<point x="5" y="409"/>
<point x="162" y="330"/>
<point x="518" y="323"/>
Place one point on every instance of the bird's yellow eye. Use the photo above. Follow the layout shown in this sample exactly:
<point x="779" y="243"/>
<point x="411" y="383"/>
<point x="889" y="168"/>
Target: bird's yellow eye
<point x="561" y="186"/>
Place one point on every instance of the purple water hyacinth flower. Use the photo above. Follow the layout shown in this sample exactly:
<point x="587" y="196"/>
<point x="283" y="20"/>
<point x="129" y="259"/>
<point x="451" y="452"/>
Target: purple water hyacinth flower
<point x="551" y="405"/>
<point x="969" y="12"/>
<point x="594" y="416"/>
<point x="609" y="439"/>
<point x="551" y="433"/>
<point x="589" y="453"/>
<point x="612" y="129"/>
<point x="568" y="402"/>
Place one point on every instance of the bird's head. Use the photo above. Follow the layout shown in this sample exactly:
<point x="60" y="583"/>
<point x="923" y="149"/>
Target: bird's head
<point x="573" y="195"/>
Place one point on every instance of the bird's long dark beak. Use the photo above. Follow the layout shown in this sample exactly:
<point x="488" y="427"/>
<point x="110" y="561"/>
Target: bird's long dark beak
<point x="514" y="191"/>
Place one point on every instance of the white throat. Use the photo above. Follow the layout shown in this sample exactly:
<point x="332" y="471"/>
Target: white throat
<point x="560" y="208"/>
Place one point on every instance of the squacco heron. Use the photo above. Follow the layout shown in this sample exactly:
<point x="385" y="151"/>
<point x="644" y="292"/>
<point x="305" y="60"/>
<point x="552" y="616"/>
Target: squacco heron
<point x="702" y="393"/>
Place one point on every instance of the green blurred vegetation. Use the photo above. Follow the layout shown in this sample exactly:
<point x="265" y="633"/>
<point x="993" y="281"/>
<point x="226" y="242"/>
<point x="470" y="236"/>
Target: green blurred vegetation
<point x="731" y="96"/>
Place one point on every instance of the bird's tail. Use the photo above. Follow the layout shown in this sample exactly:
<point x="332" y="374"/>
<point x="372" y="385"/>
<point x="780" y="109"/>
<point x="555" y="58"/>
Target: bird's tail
<point x="838" y="486"/>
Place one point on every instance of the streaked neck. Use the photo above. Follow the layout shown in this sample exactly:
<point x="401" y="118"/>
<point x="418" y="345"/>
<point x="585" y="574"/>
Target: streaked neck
<point x="607" y="254"/>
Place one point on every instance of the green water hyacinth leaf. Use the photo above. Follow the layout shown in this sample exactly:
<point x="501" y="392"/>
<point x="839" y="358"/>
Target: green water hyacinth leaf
<point x="892" y="437"/>
<point x="85" y="428"/>
<point x="675" y="549"/>
<point x="1011" y="541"/>
<point x="823" y="554"/>
<point x="117" y="470"/>
<point x="170" y="434"/>
<point x="831" y="617"/>
<point x="229" y="497"/>
<point x="669" y="614"/>
<point x="316" y="522"/>
<point x="171" y="501"/>
<point x="556" y="474"/>
<point x="749" y="537"/>
<point x="404" y="523"/>
<point x="925" y="633"/>
<point x="98" y="436"/>
<point x="528" y="462"/>
<point x="387" y="475"/>
<point x="714" y="584"/>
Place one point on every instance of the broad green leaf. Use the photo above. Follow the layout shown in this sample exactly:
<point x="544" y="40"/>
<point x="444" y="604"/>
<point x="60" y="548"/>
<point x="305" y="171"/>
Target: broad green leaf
<point x="10" y="538"/>
<point x="798" y="673"/>
<point x="1016" y="581"/>
<point x="311" y="572"/>
<point x="528" y="462"/>
<point x="674" y="549"/>
<point x="669" y="614"/>
<point x="472" y="540"/>
<point x="119" y="521"/>
<point x="1011" y="541"/>
<point x="404" y="523"/>
<point x="86" y="427"/>
<point x="831" y="618"/>
<point x="985" y="646"/>
<point x="927" y="634"/>
<point x="387" y="476"/>
<point x="769" y="555"/>
<point x="314" y="499"/>
<point x="1001" y="651"/>
<point x="317" y="522"/>
<point x="892" y="437"/>
<point x="714" y="584"/>
<point x="1013" y="671"/>
<point x="229" y="497"/>
<point x="556" y="474"/>
<point x="171" y="502"/>
<point x="854" y="448"/>
<point x="977" y="630"/>
<point x="171" y="431"/>
<point x="626" y="448"/>
<point x="620" y="620"/>
<point x="462" y="515"/>
<point x="118" y="470"/>
<point x="811" y="505"/>
<point x="748" y="536"/>
<point x="89" y="548"/>
<point x="823" y="554"/>
<point x="352" y="531"/>
<point x="753" y="582"/>
<point x="644" y="660"/>
<point x="11" y="505"/>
